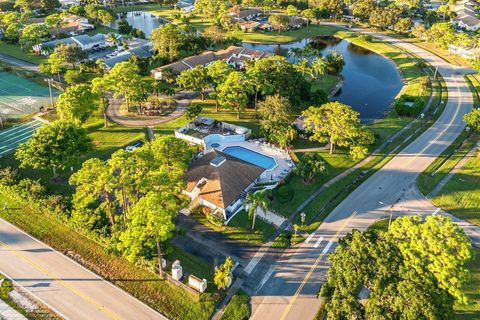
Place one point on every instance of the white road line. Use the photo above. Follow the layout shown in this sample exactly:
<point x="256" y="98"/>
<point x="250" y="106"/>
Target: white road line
<point x="317" y="244"/>
<point x="310" y="237"/>
<point x="265" y="279"/>
<point x="327" y="247"/>
<point x="17" y="139"/>
<point x="251" y="265"/>
<point x="34" y="124"/>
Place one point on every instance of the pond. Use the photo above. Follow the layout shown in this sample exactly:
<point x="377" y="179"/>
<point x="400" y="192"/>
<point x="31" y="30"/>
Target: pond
<point x="371" y="81"/>
<point x="142" y="20"/>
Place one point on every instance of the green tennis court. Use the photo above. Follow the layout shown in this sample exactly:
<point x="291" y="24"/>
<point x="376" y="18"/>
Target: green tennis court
<point x="20" y="96"/>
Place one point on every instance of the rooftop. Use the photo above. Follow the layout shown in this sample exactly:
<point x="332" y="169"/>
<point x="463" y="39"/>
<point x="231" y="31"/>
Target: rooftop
<point x="220" y="177"/>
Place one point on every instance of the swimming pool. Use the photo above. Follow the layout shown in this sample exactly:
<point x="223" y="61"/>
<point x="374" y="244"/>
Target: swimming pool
<point x="252" y="157"/>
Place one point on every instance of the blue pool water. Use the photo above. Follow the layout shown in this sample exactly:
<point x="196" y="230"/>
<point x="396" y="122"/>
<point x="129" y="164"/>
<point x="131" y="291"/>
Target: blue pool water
<point x="251" y="157"/>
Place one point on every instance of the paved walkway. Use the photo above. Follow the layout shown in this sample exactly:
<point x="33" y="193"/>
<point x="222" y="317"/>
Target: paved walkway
<point x="455" y="169"/>
<point x="183" y="99"/>
<point x="270" y="217"/>
<point x="19" y="63"/>
<point x="8" y="313"/>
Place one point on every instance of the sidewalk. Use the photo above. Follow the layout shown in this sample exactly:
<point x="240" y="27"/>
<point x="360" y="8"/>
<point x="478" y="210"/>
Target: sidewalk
<point x="8" y="313"/>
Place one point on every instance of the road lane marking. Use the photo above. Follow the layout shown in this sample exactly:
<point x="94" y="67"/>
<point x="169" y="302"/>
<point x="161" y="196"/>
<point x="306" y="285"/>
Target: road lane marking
<point x="314" y="266"/>
<point x="265" y="279"/>
<point x="317" y="244"/>
<point x="310" y="237"/>
<point x="327" y="247"/>
<point x="66" y="285"/>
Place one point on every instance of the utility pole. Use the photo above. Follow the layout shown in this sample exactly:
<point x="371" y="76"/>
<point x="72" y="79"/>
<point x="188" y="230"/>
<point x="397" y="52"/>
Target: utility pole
<point x="49" y="80"/>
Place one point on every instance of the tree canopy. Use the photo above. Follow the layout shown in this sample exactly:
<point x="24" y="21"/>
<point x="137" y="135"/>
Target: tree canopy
<point x="76" y="103"/>
<point x="58" y="145"/>
<point x="339" y="125"/>
<point x="413" y="270"/>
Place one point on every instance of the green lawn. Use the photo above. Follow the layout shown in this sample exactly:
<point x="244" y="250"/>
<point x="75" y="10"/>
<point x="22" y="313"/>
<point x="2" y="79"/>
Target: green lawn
<point x="15" y="51"/>
<point x="238" y="308"/>
<point x="284" y="37"/>
<point x="443" y="164"/>
<point x="105" y="140"/>
<point x="461" y="195"/>
<point x="240" y="228"/>
<point x="326" y="83"/>
<point x="472" y="290"/>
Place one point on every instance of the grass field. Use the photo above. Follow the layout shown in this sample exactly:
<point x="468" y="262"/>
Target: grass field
<point x="14" y="50"/>
<point x="240" y="228"/>
<point x="443" y="164"/>
<point x="471" y="311"/>
<point x="461" y="195"/>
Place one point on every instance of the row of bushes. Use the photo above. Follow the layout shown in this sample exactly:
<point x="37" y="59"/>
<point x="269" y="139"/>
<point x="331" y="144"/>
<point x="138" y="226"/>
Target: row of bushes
<point x="409" y="106"/>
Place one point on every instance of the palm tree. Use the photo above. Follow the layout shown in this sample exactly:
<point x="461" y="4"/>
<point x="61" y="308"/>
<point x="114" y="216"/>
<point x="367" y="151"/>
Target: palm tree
<point x="319" y="67"/>
<point x="255" y="200"/>
<point x="112" y="38"/>
<point x="304" y="67"/>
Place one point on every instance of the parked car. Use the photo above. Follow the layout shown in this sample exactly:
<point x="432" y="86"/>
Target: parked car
<point x="134" y="146"/>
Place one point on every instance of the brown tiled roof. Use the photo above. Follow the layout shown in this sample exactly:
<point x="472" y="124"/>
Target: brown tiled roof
<point x="210" y="56"/>
<point x="200" y="60"/>
<point x="224" y="183"/>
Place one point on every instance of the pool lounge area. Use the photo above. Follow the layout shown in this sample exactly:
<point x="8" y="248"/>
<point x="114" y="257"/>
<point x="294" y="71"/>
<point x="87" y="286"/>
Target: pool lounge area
<point x="233" y="140"/>
<point x="277" y="162"/>
<point x="253" y="157"/>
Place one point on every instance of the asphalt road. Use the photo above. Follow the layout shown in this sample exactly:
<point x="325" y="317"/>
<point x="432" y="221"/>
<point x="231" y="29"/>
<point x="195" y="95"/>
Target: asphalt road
<point x="10" y="138"/>
<point x="66" y="287"/>
<point x="289" y="288"/>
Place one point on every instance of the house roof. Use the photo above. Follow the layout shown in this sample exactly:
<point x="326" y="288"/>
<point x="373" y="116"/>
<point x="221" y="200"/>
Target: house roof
<point x="222" y="184"/>
<point x="85" y="39"/>
<point x="210" y="56"/>
<point x="142" y="51"/>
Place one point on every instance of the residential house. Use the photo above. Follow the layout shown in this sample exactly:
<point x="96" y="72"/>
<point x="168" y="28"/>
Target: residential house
<point x="85" y="42"/>
<point x="143" y="51"/>
<point x="233" y="55"/>
<point x="466" y="15"/>
<point x="73" y="25"/>
<point x="220" y="182"/>
<point x="247" y="14"/>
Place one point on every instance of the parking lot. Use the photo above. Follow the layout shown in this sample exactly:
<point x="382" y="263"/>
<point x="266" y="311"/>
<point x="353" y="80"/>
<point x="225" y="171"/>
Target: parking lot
<point x="12" y="137"/>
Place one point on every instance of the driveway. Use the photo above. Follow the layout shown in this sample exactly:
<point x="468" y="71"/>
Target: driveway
<point x="289" y="289"/>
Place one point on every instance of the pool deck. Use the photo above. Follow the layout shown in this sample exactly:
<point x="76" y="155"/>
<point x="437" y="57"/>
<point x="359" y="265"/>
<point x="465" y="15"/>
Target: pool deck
<point x="284" y="165"/>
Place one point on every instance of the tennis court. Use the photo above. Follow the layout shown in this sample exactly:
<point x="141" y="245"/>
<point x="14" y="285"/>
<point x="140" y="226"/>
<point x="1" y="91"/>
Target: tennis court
<point x="12" y="137"/>
<point x="21" y="96"/>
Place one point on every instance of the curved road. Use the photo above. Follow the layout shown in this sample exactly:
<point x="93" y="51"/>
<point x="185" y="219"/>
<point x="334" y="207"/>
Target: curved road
<point x="290" y="287"/>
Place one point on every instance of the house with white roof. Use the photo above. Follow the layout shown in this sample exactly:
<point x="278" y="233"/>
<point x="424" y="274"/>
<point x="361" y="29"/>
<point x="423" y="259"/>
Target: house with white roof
<point x="466" y="15"/>
<point x="84" y="41"/>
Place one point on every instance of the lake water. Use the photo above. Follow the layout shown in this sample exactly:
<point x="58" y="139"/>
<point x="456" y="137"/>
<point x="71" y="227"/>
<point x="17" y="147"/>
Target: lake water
<point x="371" y="82"/>
<point x="142" y="20"/>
